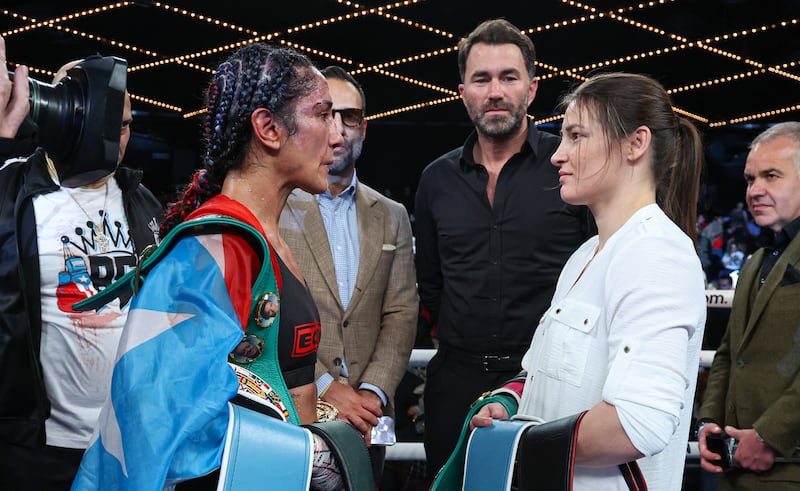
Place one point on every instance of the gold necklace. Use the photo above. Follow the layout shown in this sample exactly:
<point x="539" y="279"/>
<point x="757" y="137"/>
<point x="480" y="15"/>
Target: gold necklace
<point x="99" y="235"/>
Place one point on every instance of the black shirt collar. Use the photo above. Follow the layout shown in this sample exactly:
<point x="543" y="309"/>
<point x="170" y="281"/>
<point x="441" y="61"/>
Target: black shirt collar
<point x="779" y="241"/>
<point x="530" y="145"/>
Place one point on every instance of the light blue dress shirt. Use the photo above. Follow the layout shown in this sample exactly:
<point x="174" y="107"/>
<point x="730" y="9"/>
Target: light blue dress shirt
<point x="341" y="224"/>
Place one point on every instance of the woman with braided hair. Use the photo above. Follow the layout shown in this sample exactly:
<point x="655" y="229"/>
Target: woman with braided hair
<point x="268" y="130"/>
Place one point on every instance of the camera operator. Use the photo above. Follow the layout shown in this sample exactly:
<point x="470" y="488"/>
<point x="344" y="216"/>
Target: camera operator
<point x="59" y="245"/>
<point x="16" y="134"/>
<point x="754" y="386"/>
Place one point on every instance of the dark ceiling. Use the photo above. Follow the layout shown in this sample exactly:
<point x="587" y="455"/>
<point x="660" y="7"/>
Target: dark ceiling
<point x="727" y="63"/>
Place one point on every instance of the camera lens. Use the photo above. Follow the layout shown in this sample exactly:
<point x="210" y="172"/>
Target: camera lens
<point x="80" y="118"/>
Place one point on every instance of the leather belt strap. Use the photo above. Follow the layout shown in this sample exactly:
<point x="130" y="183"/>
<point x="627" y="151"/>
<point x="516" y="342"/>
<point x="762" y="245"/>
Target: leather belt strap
<point x="547" y="454"/>
<point x="260" y="447"/>
<point x="543" y="455"/>
<point x="351" y="454"/>
<point x="495" y="362"/>
<point x="546" y="457"/>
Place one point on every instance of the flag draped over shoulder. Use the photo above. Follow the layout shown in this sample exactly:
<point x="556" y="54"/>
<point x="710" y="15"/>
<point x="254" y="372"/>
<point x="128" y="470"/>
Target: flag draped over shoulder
<point x="167" y="414"/>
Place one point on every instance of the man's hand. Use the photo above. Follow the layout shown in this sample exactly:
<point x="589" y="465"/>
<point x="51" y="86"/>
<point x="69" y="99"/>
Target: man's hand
<point x="371" y="401"/>
<point x="359" y="408"/>
<point x="13" y="97"/>
<point x="706" y="455"/>
<point x="753" y="453"/>
<point x="485" y="415"/>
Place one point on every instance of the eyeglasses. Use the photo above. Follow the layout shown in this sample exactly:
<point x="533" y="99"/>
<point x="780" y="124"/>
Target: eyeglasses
<point x="351" y="116"/>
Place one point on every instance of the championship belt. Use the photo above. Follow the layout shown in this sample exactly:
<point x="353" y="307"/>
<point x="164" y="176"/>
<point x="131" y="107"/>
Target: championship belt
<point x="451" y="476"/>
<point x="257" y="426"/>
<point x="347" y="445"/>
<point x="258" y="350"/>
<point x="263" y="451"/>
<point x="542" y="453"/>
<point x="254" y="393"/>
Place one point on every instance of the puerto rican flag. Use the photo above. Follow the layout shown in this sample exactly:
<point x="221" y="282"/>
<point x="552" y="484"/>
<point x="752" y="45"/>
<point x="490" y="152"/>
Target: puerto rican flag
<point x="167" y="415"/>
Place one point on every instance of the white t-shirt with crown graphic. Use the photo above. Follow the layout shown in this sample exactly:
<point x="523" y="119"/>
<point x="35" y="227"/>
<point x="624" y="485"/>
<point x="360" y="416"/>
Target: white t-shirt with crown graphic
<point x="78" y="348"/>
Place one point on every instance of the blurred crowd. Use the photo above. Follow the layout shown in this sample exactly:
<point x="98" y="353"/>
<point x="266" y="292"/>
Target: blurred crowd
<point x="725" y="243"/>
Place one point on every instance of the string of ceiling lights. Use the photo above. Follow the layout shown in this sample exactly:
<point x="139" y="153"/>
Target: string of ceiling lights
<point x="380" y="68"/>
<point x="705" y="45"/>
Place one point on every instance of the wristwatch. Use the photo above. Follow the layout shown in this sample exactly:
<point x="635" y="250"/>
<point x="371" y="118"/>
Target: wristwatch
<point x="700" y="426"/>
<point x="481" y="398"/>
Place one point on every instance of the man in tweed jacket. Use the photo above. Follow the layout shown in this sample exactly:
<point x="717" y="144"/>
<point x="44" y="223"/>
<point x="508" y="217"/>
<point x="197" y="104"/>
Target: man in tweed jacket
<point x="354" y="248"/>
<point x="754" y="387"/>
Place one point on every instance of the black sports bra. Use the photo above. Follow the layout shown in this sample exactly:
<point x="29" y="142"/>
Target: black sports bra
<point x="300" y="330"/>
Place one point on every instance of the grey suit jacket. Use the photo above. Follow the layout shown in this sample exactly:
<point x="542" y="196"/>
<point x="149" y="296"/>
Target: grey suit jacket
<point x="755" y="378"/>
<point x="378" y="329"/>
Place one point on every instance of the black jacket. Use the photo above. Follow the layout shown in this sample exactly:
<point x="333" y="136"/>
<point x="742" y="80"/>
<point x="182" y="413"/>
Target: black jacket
<point x="23" y="402"/>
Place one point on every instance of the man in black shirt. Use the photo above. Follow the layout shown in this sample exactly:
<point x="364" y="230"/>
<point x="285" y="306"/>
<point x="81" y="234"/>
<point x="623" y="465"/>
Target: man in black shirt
<point x="492" y="234"/>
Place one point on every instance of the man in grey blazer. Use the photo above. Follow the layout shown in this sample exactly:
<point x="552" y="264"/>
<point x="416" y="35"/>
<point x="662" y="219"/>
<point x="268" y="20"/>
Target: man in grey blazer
<point x="753" y="389"/>
<point x="354" y="248"/>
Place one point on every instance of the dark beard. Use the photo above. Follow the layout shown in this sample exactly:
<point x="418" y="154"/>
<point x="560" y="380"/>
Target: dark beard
<point x="497" y="127"/>
<point x="337" y="167"/>
<point x="349" y="160"/>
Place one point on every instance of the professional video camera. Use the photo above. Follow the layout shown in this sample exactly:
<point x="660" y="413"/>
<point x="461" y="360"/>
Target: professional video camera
<point x="80" y="118"/>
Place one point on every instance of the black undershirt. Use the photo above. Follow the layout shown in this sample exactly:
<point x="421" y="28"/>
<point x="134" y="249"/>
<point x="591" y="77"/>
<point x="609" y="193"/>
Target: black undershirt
<point x="774" y="245"/>
<point x="300" y="331"/>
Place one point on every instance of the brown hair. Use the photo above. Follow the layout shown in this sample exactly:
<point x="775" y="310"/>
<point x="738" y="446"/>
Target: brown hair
<point x="623" y="102"/>
<point x="497" y="31"/>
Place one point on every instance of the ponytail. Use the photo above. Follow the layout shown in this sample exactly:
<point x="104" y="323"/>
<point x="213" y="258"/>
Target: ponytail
<point x="625" y="101"/>
<point x="679" y="188"/>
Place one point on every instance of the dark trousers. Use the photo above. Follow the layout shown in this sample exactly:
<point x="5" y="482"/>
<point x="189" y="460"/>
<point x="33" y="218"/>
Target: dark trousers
<point x="377" y="456"/>
<point x="43" y="469"/>
<point x="452" y="384"/>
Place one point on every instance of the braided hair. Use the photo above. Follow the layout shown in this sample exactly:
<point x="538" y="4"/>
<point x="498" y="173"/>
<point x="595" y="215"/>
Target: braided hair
<point x="255" y="76"/>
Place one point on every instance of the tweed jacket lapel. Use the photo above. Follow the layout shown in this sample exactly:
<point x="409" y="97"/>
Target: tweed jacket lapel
<point x="317" y="239"/>
<point x="747" y="289"/>
<point x="370" y="239"/>
<point x="762" y="296"/>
